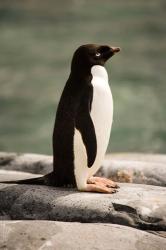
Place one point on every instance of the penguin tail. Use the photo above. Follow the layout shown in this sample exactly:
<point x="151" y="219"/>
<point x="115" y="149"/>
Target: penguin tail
<point x="48" y="180"/>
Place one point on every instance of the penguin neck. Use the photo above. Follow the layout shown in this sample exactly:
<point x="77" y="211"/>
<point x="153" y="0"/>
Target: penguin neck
<point x="100" y="72"/>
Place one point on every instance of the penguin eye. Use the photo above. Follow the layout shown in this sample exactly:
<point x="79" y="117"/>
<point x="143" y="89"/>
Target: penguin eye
<point x="98" y="54"/>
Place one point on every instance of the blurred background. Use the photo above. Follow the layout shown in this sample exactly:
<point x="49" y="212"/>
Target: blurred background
<point x="37" y="41"/>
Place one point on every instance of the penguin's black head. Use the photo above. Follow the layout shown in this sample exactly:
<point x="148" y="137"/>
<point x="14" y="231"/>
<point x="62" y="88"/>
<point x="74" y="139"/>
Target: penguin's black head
<point x="89" y="55"/>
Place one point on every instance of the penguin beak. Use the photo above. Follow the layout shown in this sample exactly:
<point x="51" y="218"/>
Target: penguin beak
<point x="109" y="51"/>
<point x="114" y="50"/>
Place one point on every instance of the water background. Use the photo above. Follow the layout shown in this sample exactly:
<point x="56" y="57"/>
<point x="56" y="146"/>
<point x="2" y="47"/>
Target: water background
<point x="37" y="40"/>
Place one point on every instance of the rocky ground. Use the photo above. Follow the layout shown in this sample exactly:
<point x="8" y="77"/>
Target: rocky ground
<point x="133" y="218"/>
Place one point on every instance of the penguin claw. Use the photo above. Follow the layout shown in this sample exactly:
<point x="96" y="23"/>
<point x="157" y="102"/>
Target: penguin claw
<point x="112" y="186"/>
<point x="115" y="191"/>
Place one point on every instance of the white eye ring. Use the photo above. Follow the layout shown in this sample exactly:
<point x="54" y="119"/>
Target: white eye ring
<point x="98" y="54"/>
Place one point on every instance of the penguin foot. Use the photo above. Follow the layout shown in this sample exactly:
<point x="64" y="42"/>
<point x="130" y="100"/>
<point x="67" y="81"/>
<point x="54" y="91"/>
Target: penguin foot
<point x="101" y="185"/>
<point x="99" y="188"/>
<point x="104" y="181"/>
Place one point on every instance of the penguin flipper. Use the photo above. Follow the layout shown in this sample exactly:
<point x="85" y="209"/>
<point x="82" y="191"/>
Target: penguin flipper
<point x="85" y="125"/>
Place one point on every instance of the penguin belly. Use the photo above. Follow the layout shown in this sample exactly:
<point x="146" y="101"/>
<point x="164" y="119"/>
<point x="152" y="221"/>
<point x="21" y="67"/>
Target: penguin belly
<point x="102" y="116"/>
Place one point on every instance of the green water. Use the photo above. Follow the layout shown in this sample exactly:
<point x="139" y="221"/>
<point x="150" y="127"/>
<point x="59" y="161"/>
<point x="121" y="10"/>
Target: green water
<point x="37" y="40"/>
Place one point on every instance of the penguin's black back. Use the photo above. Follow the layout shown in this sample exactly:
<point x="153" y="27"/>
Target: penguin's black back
<point x="73" y="112"/>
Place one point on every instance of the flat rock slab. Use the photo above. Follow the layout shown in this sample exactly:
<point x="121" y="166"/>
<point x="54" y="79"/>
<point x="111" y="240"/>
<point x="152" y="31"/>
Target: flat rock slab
<point x="134" y="171"/>
<point x="139" y="206"/>
<point x="157" y="158"/>
<point x="6" y="175"/>
<point x="32" y="163"/>
<point x="123" y="167"/>
<point x="44" y="235"/>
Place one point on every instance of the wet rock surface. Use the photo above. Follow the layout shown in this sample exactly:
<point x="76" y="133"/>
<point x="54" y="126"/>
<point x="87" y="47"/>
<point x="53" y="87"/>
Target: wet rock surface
<point x="65" y="235"/>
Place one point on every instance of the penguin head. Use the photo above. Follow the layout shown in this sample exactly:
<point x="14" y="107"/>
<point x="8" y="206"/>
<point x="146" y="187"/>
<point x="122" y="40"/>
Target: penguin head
<point x="89" y="55"/>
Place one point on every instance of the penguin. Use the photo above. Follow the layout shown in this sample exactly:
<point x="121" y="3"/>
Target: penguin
<point x="83" y="124"/>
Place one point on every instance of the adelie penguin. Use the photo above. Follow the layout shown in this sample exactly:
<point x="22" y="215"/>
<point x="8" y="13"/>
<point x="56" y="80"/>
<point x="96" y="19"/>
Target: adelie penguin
<point x="83" y="124"/>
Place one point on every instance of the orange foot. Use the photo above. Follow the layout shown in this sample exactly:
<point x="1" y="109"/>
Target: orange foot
<point x="101" y="185"/>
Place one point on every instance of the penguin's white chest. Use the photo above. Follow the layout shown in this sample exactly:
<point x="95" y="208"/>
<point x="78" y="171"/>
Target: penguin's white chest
<point x="102" y="115"/>
<point x="102" y="110"/>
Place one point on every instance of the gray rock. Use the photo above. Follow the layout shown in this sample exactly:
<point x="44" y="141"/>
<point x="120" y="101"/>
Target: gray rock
<point x="44" y="235"/>
<point x="132" y="170"/>
<point x="139" y="206"/>
<point x="32" y="163"/>
<point x="6" y="175"/>
<point x="159" y="233"/>
<point x="157" y="158"/>
<point x="125" y="167"/>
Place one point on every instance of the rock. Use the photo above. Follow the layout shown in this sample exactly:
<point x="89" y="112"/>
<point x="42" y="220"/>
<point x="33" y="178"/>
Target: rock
<point x="157" y="158"/>
<point x="125" y="167"/>
<point x="34" y="235"/>
<point x="135" y="168"/>
<point x="6" y="175"/>
<point x="32" y="163"/>
<point x="159" y="233"/>
<point x="139" y="206"/>
<point x="134" y="172"/>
